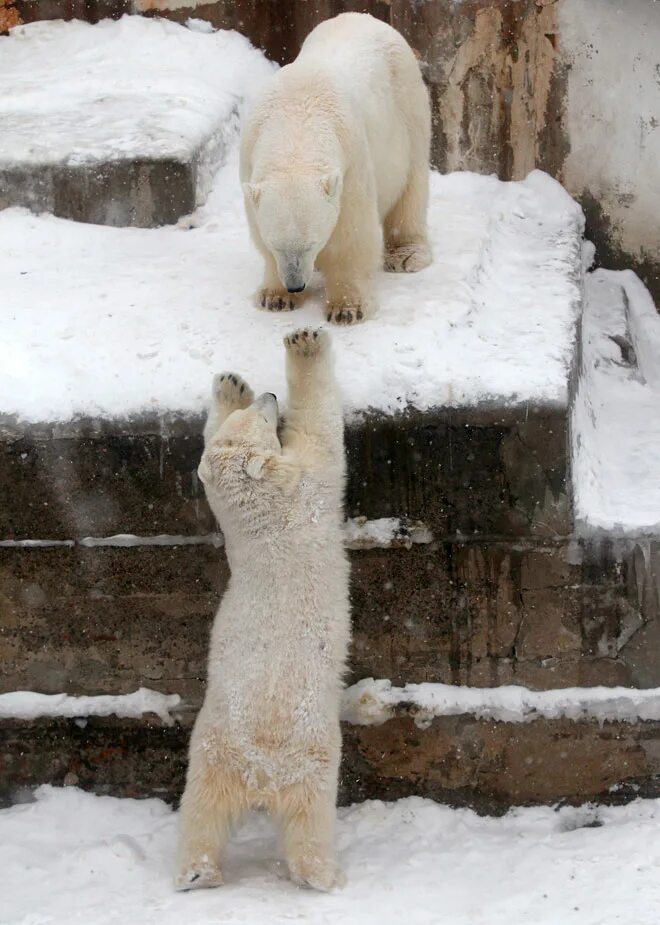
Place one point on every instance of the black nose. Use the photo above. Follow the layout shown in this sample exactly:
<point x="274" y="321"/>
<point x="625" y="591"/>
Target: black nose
<point x="272" y="395"/>
<point x="299" y="289"/>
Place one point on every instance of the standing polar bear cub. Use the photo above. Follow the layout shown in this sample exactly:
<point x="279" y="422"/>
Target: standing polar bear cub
<point x="268" y="732"/>
<point x="335" y="167"/>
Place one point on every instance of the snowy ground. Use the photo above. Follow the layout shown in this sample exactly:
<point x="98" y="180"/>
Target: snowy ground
<point x="125" y="320"/>
<point x="75" y="858"/>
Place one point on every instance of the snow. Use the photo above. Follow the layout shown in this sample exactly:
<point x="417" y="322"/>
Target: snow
<point x="491" y="320"/>
<point x="615" y="420"/>
<point x="384" y="533"/>
<point x="127" y="89"/>
<point x="160" y="539"/>
<point x="74" y="857"/>
<point x="371" y="702"/>
<point x="27" y="705"/>
<point x="359" y="533"/>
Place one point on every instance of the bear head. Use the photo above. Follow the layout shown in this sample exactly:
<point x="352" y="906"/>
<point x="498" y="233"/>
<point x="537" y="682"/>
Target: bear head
<point x="296" y="216"/>
<point x="242" y="467"/>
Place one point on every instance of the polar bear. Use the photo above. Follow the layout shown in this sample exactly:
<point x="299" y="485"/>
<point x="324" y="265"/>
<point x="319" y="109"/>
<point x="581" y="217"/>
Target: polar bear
<point x="334" y="157"/>
<point x="268" y="732"/>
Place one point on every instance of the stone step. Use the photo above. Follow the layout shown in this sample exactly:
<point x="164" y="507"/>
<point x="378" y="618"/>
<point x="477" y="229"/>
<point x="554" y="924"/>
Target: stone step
<point x="461" y="760"/>
<point x="468" y="472"/>
<point x="136" y="135"/>
<point x="110" y="619"/>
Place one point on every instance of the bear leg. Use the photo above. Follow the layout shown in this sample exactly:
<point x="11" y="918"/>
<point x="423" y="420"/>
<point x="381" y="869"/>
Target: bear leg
<point x="306" y="817"/>
<point x="211" y="805"/>
<point x="272" y="296"/>
<point x="407" y="247"/>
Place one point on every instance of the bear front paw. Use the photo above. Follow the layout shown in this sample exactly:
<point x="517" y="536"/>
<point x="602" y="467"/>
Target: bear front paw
<point x="407" y="258"/>
<point x="346" y="313"/>
<point x="307" y="342"/>
<point x="273" y="300"/>
<point x="232" y="390"/>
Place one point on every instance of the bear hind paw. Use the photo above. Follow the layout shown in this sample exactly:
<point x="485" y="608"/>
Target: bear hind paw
<point x="407" y="258"/>
<point x="198" y="877"/>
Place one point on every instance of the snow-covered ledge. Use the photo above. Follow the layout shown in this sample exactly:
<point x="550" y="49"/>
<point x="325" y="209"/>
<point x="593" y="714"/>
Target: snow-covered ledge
<point x="372" y="702"/>
<point x="359" y="533"/>
<point x="30" y="705"/>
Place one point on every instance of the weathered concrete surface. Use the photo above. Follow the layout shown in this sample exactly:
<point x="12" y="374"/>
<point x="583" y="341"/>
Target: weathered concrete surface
<point x="143" y="193"/>
<point x="9" y="15"/>
<point x="469" y="472"/>
<point x="459" y="760"/>
<point x="611" y="55"/>
<point x="109" y="620"/>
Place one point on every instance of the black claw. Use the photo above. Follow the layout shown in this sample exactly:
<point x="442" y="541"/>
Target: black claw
<point x="349" y="317"/>
<point x="329" y="316"/>
<point x="242" y="389"/>
<point x="316" y="333"/>
<point x="359" y="314"/>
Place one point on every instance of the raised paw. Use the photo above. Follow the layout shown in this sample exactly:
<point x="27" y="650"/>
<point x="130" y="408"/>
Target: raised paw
<point x="273" y="300"/>
<point x="307" y="342"/>
<point x="203" y="876"/>
<point x="232" y="390"/>
<point x="407" y="258"/>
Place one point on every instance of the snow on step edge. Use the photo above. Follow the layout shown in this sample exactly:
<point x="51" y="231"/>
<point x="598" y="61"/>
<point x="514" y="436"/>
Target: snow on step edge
<point x="372" y="702"/>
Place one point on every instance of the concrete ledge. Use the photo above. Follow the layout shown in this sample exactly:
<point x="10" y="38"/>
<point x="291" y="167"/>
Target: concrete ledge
<point x="91" y="620"/>
<point x="459" y="760"/>
<point x="487" y="470"/>
<point x="143" y="193"/>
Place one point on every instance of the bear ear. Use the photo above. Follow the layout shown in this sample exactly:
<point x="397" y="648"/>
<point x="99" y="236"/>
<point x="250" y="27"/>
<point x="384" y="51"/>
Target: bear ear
<point x="331" y="184"/>
<point x="253" y="192"/>
<point x="254" y="467"/>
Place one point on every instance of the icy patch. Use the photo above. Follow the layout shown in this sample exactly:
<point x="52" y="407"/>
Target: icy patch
<point x="29" y="705"/>
<point x="616" y="415"/>
<point x="136" y="88"/>
<point x="371" y="702"/>
<point x="492" y="319"/>
<point x="161" y="539"/>
<point x="74" y="857"/>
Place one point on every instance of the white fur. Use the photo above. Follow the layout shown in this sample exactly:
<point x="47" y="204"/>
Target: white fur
<point x="268" y="732"/>
<point x="334" y="157"/>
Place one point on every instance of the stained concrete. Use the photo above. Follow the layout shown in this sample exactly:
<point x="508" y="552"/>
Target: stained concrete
<point x="104" y="477"/>
<point x="462" y="761"/>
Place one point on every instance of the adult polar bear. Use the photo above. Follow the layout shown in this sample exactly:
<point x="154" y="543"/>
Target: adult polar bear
<point x="334" y="157"/>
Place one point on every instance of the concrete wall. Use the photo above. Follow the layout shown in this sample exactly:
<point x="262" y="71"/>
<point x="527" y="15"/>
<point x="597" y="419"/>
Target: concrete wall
<point x="611" y="52"/>
<point x="571" y="86"/>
